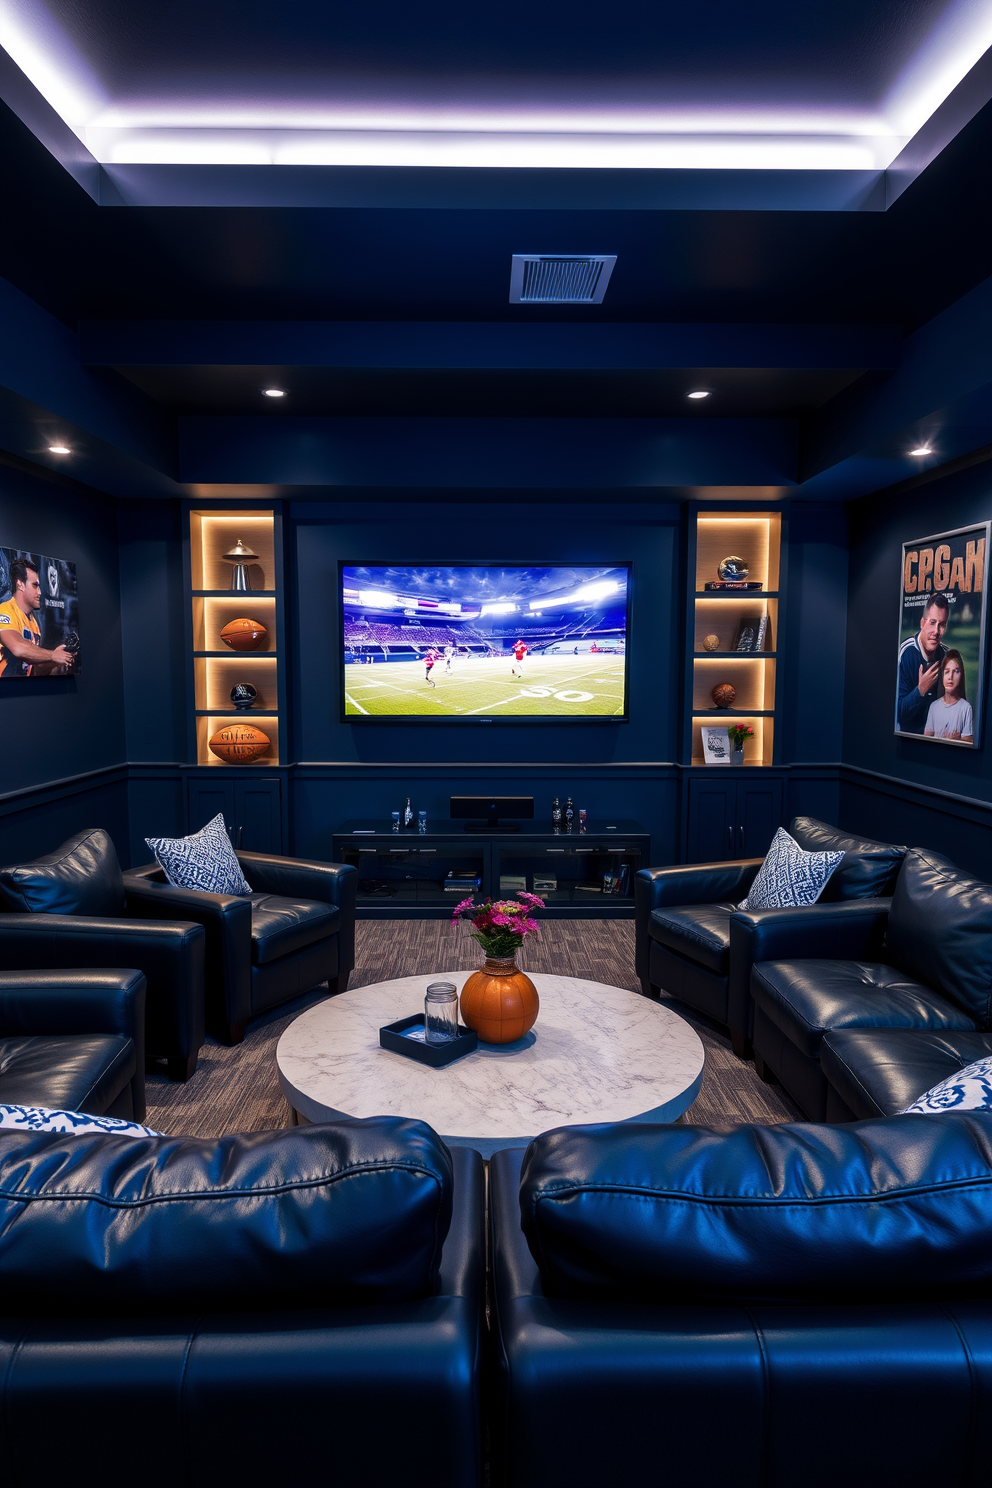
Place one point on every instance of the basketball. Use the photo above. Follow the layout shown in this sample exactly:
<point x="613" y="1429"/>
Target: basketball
<point x="243" y="635"/>
<point x="724" y="695"/>
<point x="239" y="744"/>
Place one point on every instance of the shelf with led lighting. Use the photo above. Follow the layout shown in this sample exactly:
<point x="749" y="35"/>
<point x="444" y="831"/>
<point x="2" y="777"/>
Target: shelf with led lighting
<point x="232" y="546"/>
<point x="726" y="627"/>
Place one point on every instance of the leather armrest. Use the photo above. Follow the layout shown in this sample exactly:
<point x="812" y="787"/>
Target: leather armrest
<point x="686" y="883"/>
<point x="844" y="930"/>
<point x="74" y="1001"/>
<point x="298" y="878"/>
<point x="332" y="883"/>
<point x="169" y="953"/>
<point x="226" y="918"/>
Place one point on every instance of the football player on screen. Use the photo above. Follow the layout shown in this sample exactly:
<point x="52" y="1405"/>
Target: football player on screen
<point x="519" y="652"/>
<point x="429" y="661"/>
<point x="21" y="651"/>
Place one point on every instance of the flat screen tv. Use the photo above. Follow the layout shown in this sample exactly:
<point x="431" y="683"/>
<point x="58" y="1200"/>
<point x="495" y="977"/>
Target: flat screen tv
<point x="474" y="643"/>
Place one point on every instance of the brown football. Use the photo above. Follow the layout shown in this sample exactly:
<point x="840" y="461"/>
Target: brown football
<point x="239" y="744"/>
<point x="724" y="695"/>
<point x="243" y="635"/>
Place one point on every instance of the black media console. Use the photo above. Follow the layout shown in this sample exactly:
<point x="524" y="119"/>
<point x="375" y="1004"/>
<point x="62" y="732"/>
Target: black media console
<point x="402" y="875"/>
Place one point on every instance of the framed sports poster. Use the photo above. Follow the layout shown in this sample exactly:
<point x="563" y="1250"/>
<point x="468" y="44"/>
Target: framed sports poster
<point x="940" y="675"/>
<point x="39" y="616"/>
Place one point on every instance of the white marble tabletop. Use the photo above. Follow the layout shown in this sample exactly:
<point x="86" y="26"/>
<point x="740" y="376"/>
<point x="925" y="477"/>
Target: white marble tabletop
<point x="596" y="1053"/>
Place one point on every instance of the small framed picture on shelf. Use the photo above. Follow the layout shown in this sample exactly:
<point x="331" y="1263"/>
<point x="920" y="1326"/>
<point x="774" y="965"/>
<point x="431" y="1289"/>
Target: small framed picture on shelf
<point x="716" y="745"/>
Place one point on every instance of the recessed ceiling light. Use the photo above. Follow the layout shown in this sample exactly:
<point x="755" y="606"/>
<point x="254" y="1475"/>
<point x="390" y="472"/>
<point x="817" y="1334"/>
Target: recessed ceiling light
<point x="699" y="393"/>
<point x="923" y="449"/>
<point x="59" y="449"/>
<point x="274" y="392"/>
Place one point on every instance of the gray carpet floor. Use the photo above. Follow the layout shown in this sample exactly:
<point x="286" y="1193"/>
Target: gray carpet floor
<point x="237" y="1089"/>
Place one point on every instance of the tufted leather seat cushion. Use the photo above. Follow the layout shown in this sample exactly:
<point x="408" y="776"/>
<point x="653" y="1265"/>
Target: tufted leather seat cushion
<point x="65" y="1072"/>
<point x="879" y="1071"/>
<point x="81" y="877"/>
<point x="700" y="932"/>
<point x="886" y="1208"/>
<point x="280" y="926"/>
<point x="804" y="998"/>
<point x="338" y="1213"/>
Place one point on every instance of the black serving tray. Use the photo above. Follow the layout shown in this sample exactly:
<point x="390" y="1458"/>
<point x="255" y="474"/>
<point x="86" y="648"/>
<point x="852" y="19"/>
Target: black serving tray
<point x="402" y="1038"/>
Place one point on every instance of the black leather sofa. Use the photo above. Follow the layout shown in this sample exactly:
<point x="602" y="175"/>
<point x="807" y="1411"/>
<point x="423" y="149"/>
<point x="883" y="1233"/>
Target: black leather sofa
<point x="858" y="1028"/>
<point x="770" y="1307"/>
<point x="693" y="943"/>
<point x="302" y="1306"/>
<point x="74" y="1040"/>
<point x="296" y="931"/>
<point x="67" y="910"/>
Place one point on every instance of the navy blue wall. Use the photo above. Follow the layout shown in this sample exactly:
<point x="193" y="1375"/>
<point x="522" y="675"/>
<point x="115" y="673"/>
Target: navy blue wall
<point x="914" y="800"/>
<point x="376" y="766"/>
<point x="55" y="728"/>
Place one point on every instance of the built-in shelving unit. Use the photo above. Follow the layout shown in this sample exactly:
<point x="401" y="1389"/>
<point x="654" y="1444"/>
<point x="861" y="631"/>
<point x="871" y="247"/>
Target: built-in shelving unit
<point x="216" y="667"/>
<point x="727" y="615"/>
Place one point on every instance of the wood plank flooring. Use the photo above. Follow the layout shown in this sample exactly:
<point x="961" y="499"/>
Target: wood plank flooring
<point x="237" y="1089"/>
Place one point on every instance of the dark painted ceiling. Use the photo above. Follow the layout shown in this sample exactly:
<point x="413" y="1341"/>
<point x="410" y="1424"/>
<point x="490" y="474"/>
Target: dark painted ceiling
<point x="87" y="262"/>
<point x="735" y="392"/>
<point x="449" y="265"/>
<point x="297" y="55"/>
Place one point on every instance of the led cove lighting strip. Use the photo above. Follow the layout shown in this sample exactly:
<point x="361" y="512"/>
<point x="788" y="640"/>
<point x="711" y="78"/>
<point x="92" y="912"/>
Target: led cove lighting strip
<point x="729" y="138"/>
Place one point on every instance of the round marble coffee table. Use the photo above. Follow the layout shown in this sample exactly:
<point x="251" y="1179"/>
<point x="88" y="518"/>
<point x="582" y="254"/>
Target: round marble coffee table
<point x="596" y="1053"/>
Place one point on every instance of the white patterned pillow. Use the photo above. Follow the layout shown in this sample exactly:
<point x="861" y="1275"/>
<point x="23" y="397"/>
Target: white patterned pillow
<point x="790" y="877"/>
<point x="969" y="1090"/>
<point x="205" y="860"/>
<point x="79" y="1123"/>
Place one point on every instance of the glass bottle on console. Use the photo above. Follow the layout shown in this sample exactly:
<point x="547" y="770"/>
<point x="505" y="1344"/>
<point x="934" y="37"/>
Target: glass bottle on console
<point x="408" y="814"/>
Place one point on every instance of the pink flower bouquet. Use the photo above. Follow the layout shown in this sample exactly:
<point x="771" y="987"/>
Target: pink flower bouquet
<point x="500" y="927"/>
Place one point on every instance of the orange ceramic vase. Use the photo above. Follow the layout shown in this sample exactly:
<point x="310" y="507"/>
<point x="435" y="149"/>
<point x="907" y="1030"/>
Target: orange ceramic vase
<point x="499" y="1001"/>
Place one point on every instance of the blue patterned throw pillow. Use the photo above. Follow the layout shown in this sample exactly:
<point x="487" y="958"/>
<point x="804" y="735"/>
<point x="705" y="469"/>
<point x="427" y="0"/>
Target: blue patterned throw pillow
<point x="969" y="1090"/>
<point x="790" y="877"/>
<point x="77" y="1123"/>
<point x="205" y="860"/>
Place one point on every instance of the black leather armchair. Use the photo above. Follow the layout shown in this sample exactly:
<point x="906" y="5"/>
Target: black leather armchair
<point x="67" y="909"/>
<point x="305" y="1303"/>
<point x="74" y="1040"/>
<point x="693" y="943"/>
<point x="296" y="931"/>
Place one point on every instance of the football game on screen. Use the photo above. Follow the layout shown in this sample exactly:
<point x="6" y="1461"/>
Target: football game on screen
<point x="463" y="642"/>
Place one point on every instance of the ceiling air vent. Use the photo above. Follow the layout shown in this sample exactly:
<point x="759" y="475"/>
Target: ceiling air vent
<point x="560" y="278"/>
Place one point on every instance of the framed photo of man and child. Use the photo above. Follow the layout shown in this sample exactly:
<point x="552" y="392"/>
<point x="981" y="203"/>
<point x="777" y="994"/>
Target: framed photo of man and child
<point x="941" y="668"/>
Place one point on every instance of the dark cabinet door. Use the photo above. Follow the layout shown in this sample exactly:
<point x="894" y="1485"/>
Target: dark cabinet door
<point x="712" y="820"/>
<point x="206" y="796"/>
<point x="732" y="817"/>
<point x="759" y="815"/>
<point x="258" y="814"/>
<point x="251" y="807"/>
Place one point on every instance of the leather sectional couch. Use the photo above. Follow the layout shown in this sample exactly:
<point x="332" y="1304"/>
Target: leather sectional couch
<point x="770" y="1307"/>
<point x="693" y="943"/>
<point x="295" y="1306"/>
<point x="903" y="998"/>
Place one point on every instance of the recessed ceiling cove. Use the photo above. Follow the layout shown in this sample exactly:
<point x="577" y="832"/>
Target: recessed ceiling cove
<point x="827" y="85"/>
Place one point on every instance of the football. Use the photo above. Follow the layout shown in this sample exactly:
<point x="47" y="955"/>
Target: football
<point x="239" y="744"/>
<point x="724" y="695"/>
<point x="243" y="635"/>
